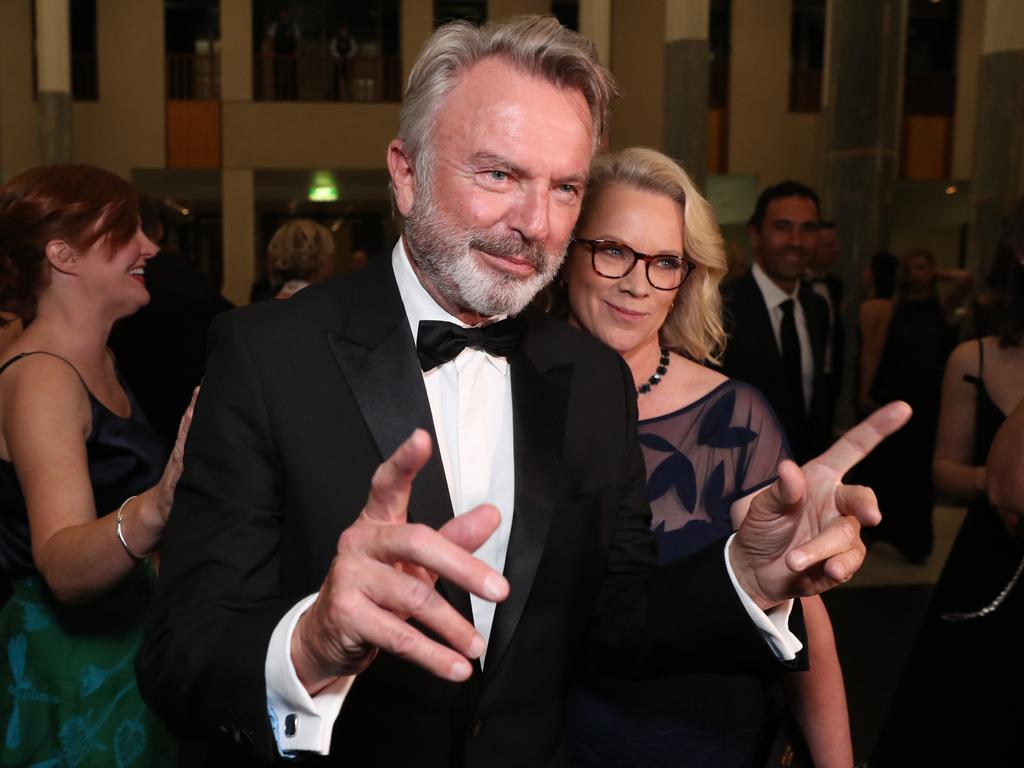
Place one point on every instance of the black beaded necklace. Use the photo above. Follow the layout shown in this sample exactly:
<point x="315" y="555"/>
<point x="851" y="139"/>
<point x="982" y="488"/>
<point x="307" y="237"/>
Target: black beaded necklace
<point x="656" y="377"/>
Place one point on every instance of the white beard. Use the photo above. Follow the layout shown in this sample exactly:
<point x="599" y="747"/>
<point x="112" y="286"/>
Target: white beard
<point x="441" y="249"/>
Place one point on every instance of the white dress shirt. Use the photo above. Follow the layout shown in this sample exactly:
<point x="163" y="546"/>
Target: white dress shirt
<point x="773" y="297"/>
<point x="471" y="403"/>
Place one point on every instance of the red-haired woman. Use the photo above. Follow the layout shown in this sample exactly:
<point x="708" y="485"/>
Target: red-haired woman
<point x="84" y="490"/>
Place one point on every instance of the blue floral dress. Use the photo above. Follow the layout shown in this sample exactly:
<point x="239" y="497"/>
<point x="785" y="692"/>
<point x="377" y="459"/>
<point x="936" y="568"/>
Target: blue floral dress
<point x="700" y="459"/>
<point x="67" y="680"/>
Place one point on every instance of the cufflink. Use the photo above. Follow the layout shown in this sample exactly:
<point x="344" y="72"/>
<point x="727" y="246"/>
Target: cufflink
<point x="289" y="725"/>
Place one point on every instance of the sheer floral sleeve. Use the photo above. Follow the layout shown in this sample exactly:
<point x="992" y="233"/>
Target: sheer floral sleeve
<point x="702" y="458"/>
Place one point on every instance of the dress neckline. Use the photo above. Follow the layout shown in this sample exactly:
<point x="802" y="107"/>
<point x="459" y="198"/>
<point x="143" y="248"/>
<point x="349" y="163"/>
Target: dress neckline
<point x="685" y="408"/>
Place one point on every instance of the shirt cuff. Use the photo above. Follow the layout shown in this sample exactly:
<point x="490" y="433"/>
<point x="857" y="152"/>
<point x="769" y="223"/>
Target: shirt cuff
<point x="300" y="722"/>
<point x="773" y="624"/>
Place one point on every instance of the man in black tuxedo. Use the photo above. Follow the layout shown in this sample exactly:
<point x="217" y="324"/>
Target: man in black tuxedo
<point x="829" y="286"/>
<point x="778" y="326"/>
<point x="504" y="544"/>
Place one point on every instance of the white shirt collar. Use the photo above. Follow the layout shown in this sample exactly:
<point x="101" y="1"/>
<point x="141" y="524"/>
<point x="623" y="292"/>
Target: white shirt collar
<point x="420" y="305"/>
<point x="773" y="295"/>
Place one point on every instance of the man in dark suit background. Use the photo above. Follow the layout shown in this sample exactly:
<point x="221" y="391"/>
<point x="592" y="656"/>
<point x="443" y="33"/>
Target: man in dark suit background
<point x="829" y="286"/>
<point x="777" y="326"/>
<point x="161" y="349"/>
<point x="505" y="545"/>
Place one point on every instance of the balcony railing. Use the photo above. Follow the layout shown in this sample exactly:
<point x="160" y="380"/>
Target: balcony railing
<point x="324" y="78"/>
<point x="193" y="77"/>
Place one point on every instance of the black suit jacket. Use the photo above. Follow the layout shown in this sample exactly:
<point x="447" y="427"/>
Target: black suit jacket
<point x="834" y="379"/>
<point x="161" y="349"/>
<point x="752" y="355"/>
<point x="301" y="401"/>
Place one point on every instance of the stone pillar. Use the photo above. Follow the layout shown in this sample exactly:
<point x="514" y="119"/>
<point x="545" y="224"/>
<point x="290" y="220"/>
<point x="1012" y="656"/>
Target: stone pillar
<point x="864" y="102"/>
<point x="236" y="51"/>
<point x="595" y="22"/>
<point x="53" y="79"/>
<point x="239" y="217"/>
<point x="999" y="130"/>
<point x="687" y="68"/>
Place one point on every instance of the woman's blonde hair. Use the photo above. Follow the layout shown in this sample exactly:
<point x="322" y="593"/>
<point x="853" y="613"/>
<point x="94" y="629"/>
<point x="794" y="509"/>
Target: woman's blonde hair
<point x="694" y="324"/>
<point x="299" y="250"/>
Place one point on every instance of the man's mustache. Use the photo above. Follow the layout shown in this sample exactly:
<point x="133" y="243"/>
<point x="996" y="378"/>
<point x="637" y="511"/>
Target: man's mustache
<point x="512" y="246"/>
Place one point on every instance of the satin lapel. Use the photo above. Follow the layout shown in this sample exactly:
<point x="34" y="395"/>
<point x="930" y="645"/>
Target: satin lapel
<point x="378" y="358"/>
<point x="540" y="402"/>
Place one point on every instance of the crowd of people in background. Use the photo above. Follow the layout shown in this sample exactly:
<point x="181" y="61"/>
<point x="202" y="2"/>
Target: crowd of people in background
<point x="103" y="342"/>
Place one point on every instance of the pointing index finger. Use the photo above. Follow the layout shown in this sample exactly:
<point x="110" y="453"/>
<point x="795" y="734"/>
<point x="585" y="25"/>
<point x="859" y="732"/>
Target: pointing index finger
<point x="392" y="482"/>
<point x="860" y="440"/>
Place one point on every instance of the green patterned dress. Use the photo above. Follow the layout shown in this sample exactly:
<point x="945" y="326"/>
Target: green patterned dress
<point x="67" y="690"/>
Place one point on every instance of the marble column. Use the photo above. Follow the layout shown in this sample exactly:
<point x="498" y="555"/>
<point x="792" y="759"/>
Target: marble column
<point x="53" y="80"/>
<point x="999" y="130"/>
<point x="687" y="68"/>
<point x="862" y="111"/>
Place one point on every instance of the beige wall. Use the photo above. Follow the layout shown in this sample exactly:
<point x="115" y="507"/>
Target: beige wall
<point x="236" y="50"/>
<point x="18" y="141"/>
<point x="503" y="9"/>
<point x="264" y="134"/>
<point x="765" y="139"/>
<point x="125" y="128"/>
<point x="638" y="63"/>
<point x="417" y="22"/>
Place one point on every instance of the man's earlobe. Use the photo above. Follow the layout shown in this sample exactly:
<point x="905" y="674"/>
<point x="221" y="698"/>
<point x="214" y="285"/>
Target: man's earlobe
<point x="403" y="176"/>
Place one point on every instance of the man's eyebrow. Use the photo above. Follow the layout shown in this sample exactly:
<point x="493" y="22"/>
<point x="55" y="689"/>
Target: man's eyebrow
<point x="491" y="159"/>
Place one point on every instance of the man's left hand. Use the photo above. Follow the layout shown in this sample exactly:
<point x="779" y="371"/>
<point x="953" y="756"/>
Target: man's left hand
<point x="802" y="535"/>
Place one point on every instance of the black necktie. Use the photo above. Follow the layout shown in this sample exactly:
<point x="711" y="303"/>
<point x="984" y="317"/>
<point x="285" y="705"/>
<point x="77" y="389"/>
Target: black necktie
<point x="438" y="341"/>
<point x="791" y="363"/>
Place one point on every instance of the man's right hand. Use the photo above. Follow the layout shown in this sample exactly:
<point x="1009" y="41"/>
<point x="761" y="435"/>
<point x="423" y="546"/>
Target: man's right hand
<point x="384" y="572"/>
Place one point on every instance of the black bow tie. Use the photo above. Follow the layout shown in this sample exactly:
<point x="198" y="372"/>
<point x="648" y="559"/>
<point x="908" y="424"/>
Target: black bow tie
<point x="438" y="341"/>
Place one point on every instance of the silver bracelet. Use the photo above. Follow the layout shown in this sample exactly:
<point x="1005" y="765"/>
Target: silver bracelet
<point x="120" y="531"/>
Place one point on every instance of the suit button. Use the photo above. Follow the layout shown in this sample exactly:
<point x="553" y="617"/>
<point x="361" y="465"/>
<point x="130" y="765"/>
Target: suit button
<point x="478" y="726"/>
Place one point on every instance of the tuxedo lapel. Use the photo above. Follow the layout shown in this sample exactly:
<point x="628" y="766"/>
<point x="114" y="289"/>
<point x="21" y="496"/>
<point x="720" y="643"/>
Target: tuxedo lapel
<point x="540" y="391"/>
<point x="377" y="355"/>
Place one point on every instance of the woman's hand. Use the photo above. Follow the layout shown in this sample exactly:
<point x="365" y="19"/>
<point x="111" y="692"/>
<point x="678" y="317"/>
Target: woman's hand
<point x="163" y="491"/>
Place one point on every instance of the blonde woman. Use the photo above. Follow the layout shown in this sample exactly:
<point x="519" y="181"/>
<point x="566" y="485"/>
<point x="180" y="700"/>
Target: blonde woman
<point x="642" y="275"/>
<point x="299" y="253"/>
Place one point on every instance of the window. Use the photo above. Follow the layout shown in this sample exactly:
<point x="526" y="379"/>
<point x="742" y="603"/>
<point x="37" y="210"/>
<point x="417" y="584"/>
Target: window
<point x="930" y="86"/>
<point x="192" y="44"/>
<point x="84" y="72"/>
<point x="320" y="50"/>
<point x="806" y="55"/>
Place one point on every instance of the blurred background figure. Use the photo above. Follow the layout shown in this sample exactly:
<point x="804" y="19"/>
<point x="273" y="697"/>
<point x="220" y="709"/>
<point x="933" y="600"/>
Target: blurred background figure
<point x="911" y="338"/>
<point x="343" y="49"/>
<point x="648" y="288"/>
<point x="85" y="484"/>
<point x="777" y="326"/>
<point x="299" y="253"/>
<point x="965" y="671"/>
<point x="161" y="349"/>
<point x="284" y="42"/>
